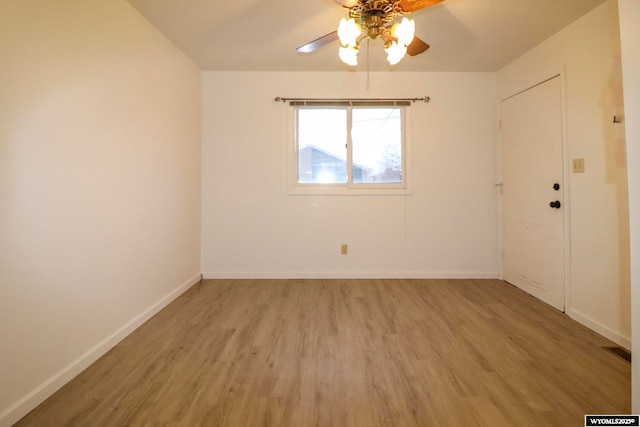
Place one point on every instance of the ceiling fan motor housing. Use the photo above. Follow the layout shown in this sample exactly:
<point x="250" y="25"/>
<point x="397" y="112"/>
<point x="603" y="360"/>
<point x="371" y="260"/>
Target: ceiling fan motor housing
<point x="382" y="11"/>
<point x="376" y="16"/>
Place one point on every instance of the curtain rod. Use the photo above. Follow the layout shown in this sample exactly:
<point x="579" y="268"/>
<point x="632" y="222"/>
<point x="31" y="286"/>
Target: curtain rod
<point x="363" y="100"/>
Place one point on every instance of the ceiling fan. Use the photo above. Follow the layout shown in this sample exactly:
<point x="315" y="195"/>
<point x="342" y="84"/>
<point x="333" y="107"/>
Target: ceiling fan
<point x="374" y="19"/>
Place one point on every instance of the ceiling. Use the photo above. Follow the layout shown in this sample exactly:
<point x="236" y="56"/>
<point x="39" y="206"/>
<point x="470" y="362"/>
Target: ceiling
<point x="262" y="35"/>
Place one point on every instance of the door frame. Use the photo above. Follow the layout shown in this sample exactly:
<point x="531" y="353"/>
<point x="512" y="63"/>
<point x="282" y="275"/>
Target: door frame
<point x="566" y="175"/>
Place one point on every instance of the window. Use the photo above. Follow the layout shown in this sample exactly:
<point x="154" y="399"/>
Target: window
<point x="349" y="150"/>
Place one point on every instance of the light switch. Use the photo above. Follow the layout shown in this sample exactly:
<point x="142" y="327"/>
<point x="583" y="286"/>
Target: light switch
<point x="578" y="165"/>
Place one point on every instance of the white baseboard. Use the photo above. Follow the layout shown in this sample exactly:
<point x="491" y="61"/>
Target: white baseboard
<point x="603" y="330"/>
<point x="32" y="399"/>
<point x="352" y="275"/>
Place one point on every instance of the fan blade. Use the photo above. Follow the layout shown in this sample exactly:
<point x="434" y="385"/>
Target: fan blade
<point x="408" y="6"/>
<point x="417" y="46"/>
<point x="318" y="43"/>
<point x="346" y="3"/>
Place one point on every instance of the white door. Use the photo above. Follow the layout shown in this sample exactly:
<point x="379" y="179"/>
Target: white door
<point x="532" y="202"/>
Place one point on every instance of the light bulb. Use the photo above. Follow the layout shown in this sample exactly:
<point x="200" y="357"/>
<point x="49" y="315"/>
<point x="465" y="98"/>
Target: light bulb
<point x="349" y="55"/>
<point x="348" y="32"/>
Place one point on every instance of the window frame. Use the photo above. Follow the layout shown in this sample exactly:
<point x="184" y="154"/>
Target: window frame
<point x="349" y="187"/>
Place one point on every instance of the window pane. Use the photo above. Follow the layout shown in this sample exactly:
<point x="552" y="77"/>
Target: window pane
<point x="377" y="145"/>
<point x="322" y="152"/>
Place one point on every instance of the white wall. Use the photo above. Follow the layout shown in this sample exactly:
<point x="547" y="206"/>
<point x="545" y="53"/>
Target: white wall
<point x="100" y="139"/>
<point x="599" y="287"/>
<point x="630" y="41"/>
<point x="253" y="228"/>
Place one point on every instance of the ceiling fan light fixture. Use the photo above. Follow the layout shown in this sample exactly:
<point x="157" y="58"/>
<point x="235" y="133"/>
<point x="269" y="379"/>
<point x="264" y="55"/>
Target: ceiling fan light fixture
<point x="349" y="55"/>
<point x="395" y="52"/>
<point x="348" y="32"/>
<point x="404" y="31"/>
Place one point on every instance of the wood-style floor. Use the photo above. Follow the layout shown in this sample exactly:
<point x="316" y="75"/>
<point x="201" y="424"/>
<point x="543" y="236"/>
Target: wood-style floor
<point x="348" y="353"/>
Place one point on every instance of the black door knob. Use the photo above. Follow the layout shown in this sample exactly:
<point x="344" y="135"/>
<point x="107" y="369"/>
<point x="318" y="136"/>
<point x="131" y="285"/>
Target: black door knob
<point x="555" y="204"/>
<point x="556" y="186"/>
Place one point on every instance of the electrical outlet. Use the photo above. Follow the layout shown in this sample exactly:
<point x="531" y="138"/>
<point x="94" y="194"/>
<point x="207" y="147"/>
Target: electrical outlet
<point x="344" y="249"/>
<point x="578" y="165"/>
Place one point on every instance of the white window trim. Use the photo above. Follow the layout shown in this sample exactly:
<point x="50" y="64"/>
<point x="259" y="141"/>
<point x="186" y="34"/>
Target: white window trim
<point x="350" y="189"/>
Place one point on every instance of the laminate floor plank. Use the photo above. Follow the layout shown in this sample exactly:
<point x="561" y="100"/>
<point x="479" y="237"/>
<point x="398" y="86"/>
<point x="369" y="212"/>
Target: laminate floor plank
<point x="384" y="352"/>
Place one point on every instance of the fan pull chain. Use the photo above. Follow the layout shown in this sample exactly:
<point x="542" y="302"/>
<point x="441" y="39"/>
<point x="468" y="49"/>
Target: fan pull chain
<point x="368" y="74"/>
